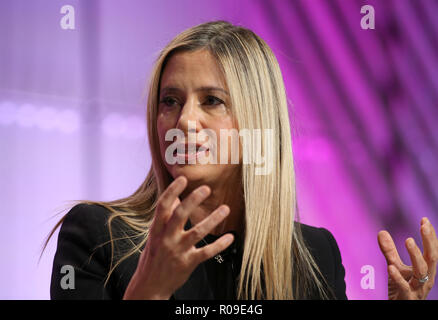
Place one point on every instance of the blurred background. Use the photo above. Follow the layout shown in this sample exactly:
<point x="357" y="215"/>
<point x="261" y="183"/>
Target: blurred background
<point x="363" y="109"/>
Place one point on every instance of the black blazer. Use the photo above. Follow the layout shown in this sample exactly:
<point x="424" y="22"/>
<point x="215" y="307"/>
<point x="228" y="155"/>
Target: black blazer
<point x="85" y="229"/>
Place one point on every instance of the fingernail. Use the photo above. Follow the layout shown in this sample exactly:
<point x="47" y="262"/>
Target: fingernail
<point x="204" y="191"/>
<point x="411" y="243"/>
<point x="392" y="270"/>
<point x="180" y="179"/>
<point x="425" y="229"/>
<point x="223" y="211"/>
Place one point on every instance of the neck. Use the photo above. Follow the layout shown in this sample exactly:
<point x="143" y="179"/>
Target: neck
<point x="221" y="193"/>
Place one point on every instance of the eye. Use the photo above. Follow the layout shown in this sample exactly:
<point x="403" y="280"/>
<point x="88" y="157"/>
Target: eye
<point x="169" y="101"/>
<point x="213" y="101"/>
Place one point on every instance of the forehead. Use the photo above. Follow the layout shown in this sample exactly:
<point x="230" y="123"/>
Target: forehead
<point x="192" y="69"/>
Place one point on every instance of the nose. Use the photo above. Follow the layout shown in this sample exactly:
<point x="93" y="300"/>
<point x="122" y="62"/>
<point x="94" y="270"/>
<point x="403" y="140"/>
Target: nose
<point x="190" y="112"/>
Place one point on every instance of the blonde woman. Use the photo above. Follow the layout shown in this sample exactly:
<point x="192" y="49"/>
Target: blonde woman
<point x="198" y="229"/>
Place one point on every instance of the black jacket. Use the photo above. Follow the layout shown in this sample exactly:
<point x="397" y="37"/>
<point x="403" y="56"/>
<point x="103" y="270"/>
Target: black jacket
<point x="83" y="244"/>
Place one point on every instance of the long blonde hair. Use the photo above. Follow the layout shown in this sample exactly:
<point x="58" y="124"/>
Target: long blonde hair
<point x="274" y="251"/>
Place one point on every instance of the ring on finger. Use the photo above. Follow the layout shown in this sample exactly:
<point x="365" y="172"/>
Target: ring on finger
<point x="423" y="280"/>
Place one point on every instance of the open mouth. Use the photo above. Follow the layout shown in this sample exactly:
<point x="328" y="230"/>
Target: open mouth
<point x="191" y="152"/>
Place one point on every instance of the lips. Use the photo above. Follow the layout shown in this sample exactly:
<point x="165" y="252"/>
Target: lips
<point x="196" y="148"/>
<point x="190" y="156"/>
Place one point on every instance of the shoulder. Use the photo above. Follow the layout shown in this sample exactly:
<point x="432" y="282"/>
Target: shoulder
<point x="325" y="250"/>
<point x="79" y="246"/>
<point x="82" y="214"/>
<point x="321" y="245"/>
<point x="316" y="238"/>
<point x="90" y="221"/>
<point x="83" y="231"/>
<point x="85" y="224"/>
<point x="84" y="243"/>
<point x="88" y="227"/>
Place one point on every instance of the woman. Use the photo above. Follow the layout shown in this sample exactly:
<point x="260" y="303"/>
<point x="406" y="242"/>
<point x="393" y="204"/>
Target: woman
<point x="199" y="229"/>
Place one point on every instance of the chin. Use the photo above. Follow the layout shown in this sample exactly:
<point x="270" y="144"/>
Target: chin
<point x="195" y="172"/>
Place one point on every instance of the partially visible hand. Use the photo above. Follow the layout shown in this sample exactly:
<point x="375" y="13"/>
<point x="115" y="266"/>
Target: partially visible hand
<point x="403" y="280"/>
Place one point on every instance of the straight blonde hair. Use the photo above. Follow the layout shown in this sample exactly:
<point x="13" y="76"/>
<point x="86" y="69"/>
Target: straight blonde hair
<point x="274" y="253"/>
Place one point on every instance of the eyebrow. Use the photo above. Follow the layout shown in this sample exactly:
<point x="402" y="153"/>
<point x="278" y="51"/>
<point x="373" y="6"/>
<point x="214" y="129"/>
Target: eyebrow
<point x="170" y="89"/>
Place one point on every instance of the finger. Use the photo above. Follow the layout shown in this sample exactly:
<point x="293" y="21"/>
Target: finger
<point x="212" y="249"/>
<point x="430" y="245"/>
<point x="419" y="265"/>
<point x="190" y="203"/>
<point x="200" y="230"/>
<point x="154" y="229"/>
<point x="175" y="204"/>
<point x="389" y="250"/>
<point x="167" y="202"/>
<point x="398" y="279"/>
<point x="425" y="221"/>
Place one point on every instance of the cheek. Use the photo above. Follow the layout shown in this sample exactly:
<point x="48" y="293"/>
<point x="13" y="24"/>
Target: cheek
<point x="160" y="125"/>
<point x="226" y="124"/>
<point x="162" y="128"/>
<point x="223" y="122"/>
<point x="164" y="123"/>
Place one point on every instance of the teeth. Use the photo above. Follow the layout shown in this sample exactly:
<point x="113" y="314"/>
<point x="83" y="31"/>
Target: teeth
<point x="190" y="150"/>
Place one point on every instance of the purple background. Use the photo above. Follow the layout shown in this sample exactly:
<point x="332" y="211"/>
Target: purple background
<point x="363" y="108"/>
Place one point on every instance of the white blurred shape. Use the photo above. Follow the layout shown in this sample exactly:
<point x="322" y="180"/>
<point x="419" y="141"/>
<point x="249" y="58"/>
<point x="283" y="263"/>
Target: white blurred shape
<point x="26" y="115"/>
<point x="134" y="127"/>
<point x="112" y="125"/>
<point x="8" y="113"/>
<point x="45" y="118"/>
<point x="67" y="121"/>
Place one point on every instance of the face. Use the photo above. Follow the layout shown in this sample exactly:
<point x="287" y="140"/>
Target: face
<point x="194" y="98"/>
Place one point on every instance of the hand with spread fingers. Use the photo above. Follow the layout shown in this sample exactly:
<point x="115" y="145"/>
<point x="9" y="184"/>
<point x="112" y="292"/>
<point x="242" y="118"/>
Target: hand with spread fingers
<point x="170" y="254"/>
<point x="411" y="282"/>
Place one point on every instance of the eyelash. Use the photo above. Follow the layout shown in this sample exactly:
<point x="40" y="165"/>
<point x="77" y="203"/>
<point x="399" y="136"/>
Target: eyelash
<point x="166" y="99"/>
<point x="219" y="101"/>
